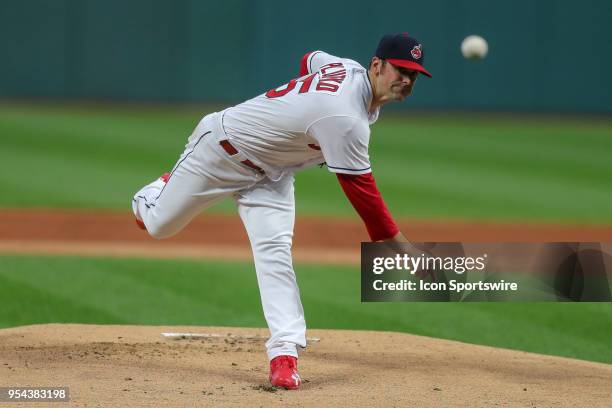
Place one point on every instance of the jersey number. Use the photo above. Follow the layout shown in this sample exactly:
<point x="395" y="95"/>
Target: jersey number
<point x="332" y="76"/>
<point x="285" y="89"/>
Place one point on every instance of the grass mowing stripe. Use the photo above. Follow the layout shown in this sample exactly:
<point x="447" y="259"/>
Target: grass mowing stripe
<point x="26" y="304"/>
<point x="222" y="293"/>
<point x="526" y="168"/>
<point x="493" y="151"/>
<point x="543" y="164"/>
<point x="488" y="190"/>
<point x="120" y="287"/>
<point x="526" y="151"/>
<point x="209" y="290"/>
<point x="527" y="139"/>
<point x="430" y="201"/>
<point x="509" y="185"/>
<point x="97" y="144"/>
<point x="591" y="134"/>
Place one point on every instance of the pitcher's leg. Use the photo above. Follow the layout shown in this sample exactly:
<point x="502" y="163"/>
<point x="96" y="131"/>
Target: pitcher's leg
<point x="165" y="208"/>
<point x="203" y="175"/>
<point x="268" y="213"/>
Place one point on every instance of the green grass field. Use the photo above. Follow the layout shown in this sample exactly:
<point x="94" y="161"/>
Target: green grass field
<point x="134" y="291"/>
<point x="464" y="167"/>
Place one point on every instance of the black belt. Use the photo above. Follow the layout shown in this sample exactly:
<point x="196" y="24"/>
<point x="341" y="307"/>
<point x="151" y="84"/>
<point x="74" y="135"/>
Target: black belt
<point x="231" y="150"/>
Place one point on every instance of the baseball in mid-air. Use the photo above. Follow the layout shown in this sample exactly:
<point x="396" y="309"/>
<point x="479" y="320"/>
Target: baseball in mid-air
<point x="474" y="47"/>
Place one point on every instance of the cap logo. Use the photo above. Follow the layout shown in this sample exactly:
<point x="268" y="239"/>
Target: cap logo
<point x="416" y="52"/>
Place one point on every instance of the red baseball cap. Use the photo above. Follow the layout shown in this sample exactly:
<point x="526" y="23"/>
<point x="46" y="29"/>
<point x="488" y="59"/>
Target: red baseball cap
<point x="403" y="51"/>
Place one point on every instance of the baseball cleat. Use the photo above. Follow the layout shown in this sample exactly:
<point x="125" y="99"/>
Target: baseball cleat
<point x="284" y="373"/>
<point x="164" y="177"/>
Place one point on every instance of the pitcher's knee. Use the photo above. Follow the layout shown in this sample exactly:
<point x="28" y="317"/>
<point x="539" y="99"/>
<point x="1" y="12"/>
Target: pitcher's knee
<point x="160" y="230"/>
<point x="277" y="243"/>
<point x="273" y="251"/>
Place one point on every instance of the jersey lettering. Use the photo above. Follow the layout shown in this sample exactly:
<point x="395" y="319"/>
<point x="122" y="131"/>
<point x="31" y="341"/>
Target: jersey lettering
<point x="332" y="76"/>
<point x="324" y="68"/>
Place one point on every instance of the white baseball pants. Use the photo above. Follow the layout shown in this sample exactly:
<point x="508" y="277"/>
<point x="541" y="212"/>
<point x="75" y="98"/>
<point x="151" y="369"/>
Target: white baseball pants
<point x="206" y="174"/>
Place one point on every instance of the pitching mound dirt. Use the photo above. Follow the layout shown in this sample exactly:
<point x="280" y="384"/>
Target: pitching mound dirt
<point x="130" y="366"/>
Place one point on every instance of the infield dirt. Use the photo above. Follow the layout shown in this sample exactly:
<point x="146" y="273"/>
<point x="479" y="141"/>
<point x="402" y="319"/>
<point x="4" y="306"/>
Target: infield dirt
<point x="132" y="366"/>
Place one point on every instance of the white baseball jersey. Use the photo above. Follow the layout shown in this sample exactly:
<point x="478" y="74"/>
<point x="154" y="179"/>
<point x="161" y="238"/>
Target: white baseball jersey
<point x="320" y="117"/>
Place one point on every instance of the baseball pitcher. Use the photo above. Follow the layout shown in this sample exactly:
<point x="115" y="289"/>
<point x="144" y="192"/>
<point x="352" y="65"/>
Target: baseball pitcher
<point x="251" y="152"/>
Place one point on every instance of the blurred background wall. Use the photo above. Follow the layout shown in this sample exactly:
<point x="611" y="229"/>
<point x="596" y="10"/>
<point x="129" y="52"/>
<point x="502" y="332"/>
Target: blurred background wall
<point x="545" y="55"/>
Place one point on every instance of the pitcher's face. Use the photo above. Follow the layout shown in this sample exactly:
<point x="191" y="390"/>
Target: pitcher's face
<point x="400" y="81"/>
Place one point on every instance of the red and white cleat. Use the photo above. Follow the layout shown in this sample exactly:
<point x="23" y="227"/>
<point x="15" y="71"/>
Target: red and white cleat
<point x="164" y="177"/>
<point x="284" y="373"/>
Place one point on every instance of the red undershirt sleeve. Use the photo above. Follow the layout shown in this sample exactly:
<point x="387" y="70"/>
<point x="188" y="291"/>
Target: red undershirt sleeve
<point x="363" y="194"/>
<point x="304" y="64"/>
